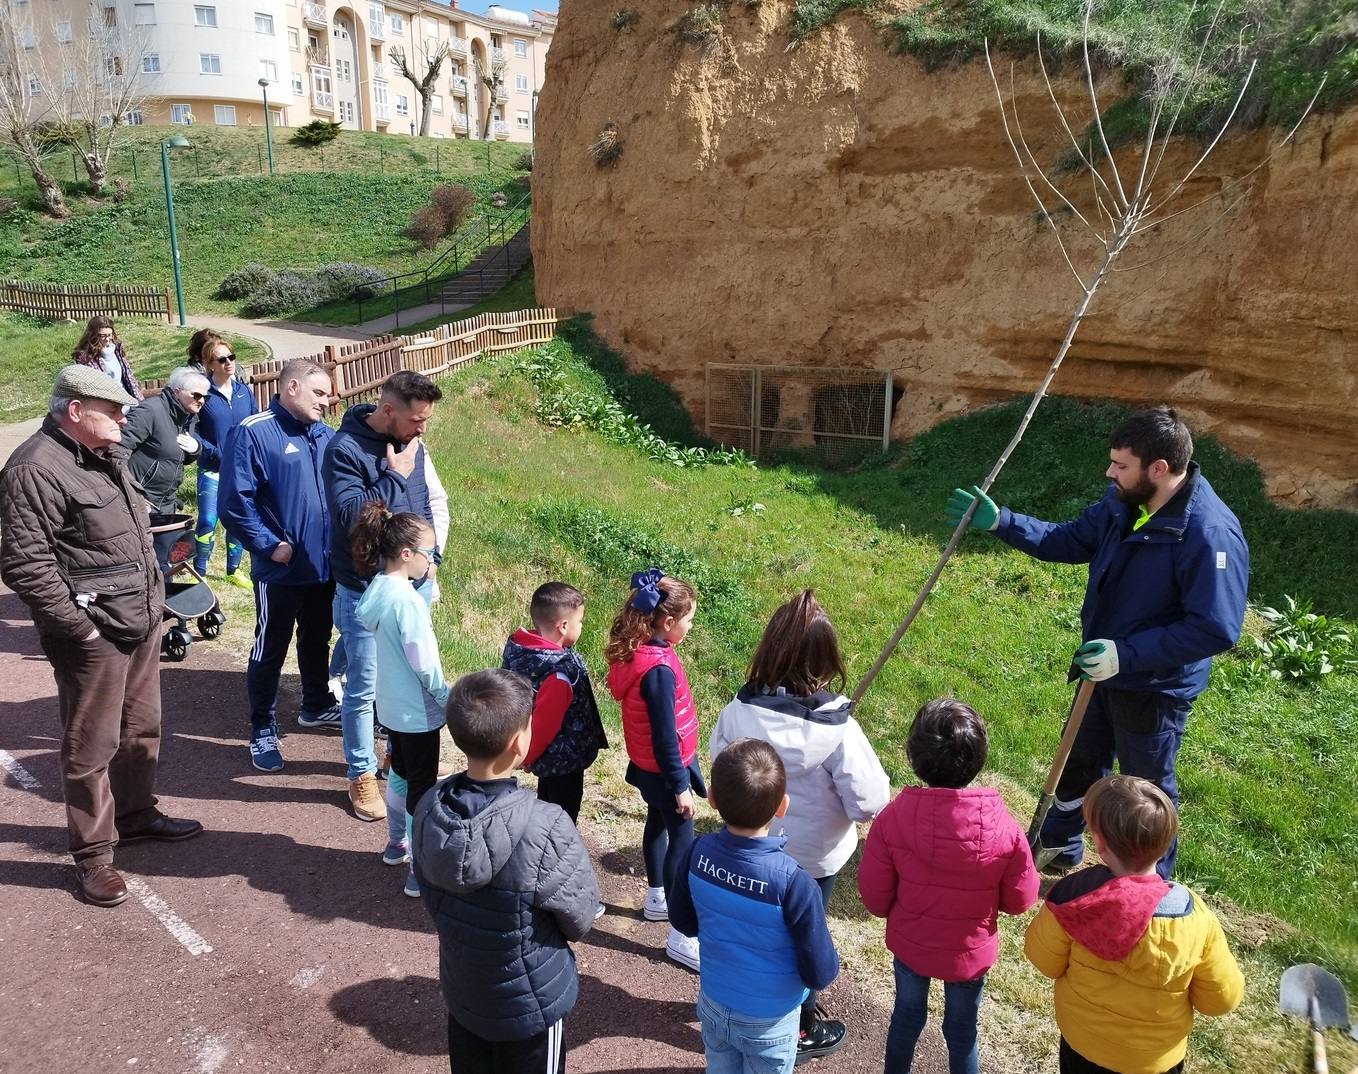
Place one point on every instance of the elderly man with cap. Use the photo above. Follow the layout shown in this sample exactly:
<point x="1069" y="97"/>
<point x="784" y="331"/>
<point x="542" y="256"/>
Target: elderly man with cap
<point x="74" y="546"/>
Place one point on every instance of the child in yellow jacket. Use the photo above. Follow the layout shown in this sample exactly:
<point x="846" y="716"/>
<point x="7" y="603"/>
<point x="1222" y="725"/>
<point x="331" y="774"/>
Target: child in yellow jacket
<point x="1133" y="956"/>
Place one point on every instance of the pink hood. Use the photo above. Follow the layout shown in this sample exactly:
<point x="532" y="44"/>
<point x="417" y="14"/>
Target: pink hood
<point x="940" y="865"/>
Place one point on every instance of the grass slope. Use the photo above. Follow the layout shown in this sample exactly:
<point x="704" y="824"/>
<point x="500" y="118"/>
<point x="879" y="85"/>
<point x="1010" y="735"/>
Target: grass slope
<point x="292" y="221"/>
<point x="32" y="351"/>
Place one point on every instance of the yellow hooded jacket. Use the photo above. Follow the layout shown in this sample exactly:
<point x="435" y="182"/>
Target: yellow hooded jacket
<point x="1133" y="958"/>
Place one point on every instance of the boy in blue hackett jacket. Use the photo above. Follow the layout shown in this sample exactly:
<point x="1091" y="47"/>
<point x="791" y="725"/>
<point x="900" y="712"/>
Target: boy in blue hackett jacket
<point x="758" y="917"/>
<point x="1168" y="571"/>
<point x="271" y="500"/>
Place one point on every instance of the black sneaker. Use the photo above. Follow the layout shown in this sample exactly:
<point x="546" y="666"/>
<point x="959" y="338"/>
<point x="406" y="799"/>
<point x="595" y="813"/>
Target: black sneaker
<point x="825" y="1035"/>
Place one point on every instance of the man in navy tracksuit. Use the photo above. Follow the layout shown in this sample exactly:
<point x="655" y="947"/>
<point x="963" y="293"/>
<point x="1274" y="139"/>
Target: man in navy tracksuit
<point x="378" y="454"/>
<point x="758" y="916"/>
<point x="1168" y="571"/>
<point x="271" y="500"/>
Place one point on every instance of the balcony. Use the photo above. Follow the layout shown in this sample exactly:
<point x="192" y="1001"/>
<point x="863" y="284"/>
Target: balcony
<point x="501" y="94"/>
<point x="379" y="72"/>
<point x="501" y="129"/>
<point x="322" y="101"/>
<point x="497" y="55"/>
<point x="318" y="56"/>
<point x="377" y="31"/>
<point x="459" y="86"/>
<point x="457" y="46"/>
<point x="382" y="112"/>
<point x="314" y="14"/>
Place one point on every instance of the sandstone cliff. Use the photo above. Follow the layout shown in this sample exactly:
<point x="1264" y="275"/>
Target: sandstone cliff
<point x="837" y="205"/>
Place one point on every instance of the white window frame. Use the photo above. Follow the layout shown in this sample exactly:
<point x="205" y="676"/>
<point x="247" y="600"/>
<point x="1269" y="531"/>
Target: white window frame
<point x="179" y="114"/>
<point x="402" y="105"/>
<point x="521" y="120"/>
<point x="64" y="31"/>
<point x="268" y="69"/>
<point x="436" y="104"/>
<point x="521" y="83"/>
<point x="207" y="61"/>
<point x="150" y="63"/>
<point x="34" y="86"/>
<point x="396" y="22"/>
<point x="139" y="11"/>
<point x="205" y="15"/>
<point x="220" y="110"/>
<point x="520" y="48"/>
<point x="294" y="39"/>
<point x="267" y="19"/>
<point x="135" y="118"/>
<point x="27" y="38"/>
<point x="298" y="85"/>
<point x="68" y="78"/>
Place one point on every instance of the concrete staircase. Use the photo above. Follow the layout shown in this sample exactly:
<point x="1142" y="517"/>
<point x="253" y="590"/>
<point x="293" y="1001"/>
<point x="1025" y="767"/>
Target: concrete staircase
<point x="489" y="271"/>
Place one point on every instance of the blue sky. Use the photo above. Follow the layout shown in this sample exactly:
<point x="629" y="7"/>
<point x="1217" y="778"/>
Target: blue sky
<point x="478" y="7"/>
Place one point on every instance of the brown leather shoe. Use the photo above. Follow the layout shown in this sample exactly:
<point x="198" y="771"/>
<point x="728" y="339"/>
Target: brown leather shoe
<point x="166" y="829"/>
<point x="101" y="885"/>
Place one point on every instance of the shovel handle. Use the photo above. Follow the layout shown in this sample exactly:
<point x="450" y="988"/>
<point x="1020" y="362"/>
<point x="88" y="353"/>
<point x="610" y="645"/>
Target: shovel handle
<point x="1322" y="1064"/>
<point x="1058" y="766"/>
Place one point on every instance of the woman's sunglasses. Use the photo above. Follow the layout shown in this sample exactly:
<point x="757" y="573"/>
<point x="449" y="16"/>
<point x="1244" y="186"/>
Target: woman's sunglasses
<point x="197" y="397"/>
<point x="224" y="358"/>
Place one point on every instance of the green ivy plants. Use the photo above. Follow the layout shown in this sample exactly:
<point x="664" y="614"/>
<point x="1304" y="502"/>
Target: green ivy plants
<point x="1300" y="646"/>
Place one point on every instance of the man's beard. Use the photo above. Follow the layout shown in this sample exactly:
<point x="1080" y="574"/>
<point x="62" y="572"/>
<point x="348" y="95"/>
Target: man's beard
<point x="1138" y="495"/>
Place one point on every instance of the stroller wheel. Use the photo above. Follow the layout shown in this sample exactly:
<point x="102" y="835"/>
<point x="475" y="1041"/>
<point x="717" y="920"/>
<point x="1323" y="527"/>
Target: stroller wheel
<point x="210" y="625"/>
<point x="175" y="644"/>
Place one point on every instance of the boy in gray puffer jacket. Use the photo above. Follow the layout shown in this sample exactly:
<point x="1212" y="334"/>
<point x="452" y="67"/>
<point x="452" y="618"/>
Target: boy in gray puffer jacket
<point x="508" y="882"/>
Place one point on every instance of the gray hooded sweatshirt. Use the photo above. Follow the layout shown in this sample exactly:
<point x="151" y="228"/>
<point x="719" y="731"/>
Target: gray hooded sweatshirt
<point x="508" y="882"/>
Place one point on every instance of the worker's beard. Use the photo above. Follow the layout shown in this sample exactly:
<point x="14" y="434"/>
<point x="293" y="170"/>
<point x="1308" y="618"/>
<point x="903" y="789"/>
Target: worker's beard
<point x="1138" y="494"/>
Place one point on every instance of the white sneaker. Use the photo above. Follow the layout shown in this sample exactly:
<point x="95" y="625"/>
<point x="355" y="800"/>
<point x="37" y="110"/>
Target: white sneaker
<point x="683" y="949"/>
<point x="599" y="911"/>
<point x="655" y="908"/>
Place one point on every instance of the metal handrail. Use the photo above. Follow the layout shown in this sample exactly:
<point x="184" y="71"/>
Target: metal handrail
<point x="502" y="251"/>
<point x="466" y="241"/>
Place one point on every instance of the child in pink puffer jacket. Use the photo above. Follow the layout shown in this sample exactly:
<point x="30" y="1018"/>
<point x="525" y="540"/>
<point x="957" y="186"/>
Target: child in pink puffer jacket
<point x="940" y="863"/>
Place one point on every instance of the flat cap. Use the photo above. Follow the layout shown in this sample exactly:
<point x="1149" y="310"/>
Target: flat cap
<point x="85" y="382"/>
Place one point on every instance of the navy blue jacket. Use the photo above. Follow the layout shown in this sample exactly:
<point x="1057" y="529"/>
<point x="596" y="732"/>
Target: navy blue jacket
<point x="759" y="919"/>
<point x="218" y="417"/>
<point x="355" y="471"/>
<point x="271" y="492"/>
<point x="1171" y="594"/>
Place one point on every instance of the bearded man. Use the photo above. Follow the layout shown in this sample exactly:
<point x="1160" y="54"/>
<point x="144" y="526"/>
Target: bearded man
<point x="1168" y="570"/>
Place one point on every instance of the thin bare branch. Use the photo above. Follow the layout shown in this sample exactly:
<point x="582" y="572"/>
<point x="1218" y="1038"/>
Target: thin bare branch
<point x="1188" y="84"/>
<point x="1195" y="237"/>
<point x="1219" y="135"/>
<point x="1121" y="199"/>
<point x="1075" y="142"/>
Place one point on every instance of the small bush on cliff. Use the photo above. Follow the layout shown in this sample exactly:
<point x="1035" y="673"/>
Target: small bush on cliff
<point x="701" y="26"/>
<point x="607" y="147"/>
<point x="624" y="18"/>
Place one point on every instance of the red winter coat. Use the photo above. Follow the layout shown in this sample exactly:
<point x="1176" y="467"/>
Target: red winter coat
<point x="939" y="865"/>
<point x="624" y="683"/>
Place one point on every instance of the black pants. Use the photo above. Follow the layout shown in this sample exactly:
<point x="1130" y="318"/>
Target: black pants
<point x="827" y="887"/>
<point x="415" y="758"/>
<point x="542" y="1054"/>
<point x="1072" y="1062"/>
<point x="278" y="610"/>
<point x="565" y="791"/>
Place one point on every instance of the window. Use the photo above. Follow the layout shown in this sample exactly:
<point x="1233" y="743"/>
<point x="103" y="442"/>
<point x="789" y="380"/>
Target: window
<point x="346" y="111"/>
<point x="68" y="78"/>
<point x="294" y="40"/>
<point x="204" y="15"/>
<point x="64" y="32"/>
<point x="150" y="63"/>
<point x="134" y="118"/>
<point x="28" y="38"/>
<point x="436" y="103"/>
<point x="181" y="115"/>
<point x="144" y="15"/>
<point x="110" y="17"/>
<point x="275" y="118"/>
<point x="263" y="23"/>
<point x="344" y="70"/>
<point x="520" y="47"/>
<point x="396" y="22"/>
<point x="224" y="115"/>
<point x="113" y="66"/>
<point x="35" y="87"/>
<point x="521" y="120"/>
<point x="402" y="105"/>
<point x="268" y="69"/>
<point x="297" y="87"/>
<point x="209" y="63"/>
<point x="521" y="83"/>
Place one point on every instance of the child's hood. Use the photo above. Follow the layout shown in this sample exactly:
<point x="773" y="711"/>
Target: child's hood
<point x="954" y="829"/>
<point x="376" y="600"/>
<point x="804" y="730"/>
<point x="1110" y="914"/>
<point x="470" y="831"/>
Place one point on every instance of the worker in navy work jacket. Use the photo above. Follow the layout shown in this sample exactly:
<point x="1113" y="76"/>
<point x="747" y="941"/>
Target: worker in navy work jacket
<point x="271" y="500"/>
<point x="1168" y="569"/>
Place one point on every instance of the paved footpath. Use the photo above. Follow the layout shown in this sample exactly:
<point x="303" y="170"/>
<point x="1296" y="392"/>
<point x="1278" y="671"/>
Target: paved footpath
<point x="276" y="941"/>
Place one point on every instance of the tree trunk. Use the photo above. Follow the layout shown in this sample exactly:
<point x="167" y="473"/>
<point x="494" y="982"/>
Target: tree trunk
<point x="97" y="170"/>
<point x="426" y="95"/>
<point x="48" y="189"/>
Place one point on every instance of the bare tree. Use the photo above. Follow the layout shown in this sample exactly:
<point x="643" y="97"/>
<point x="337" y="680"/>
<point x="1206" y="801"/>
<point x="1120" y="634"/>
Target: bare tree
<point x="102" y="81"/>
<point x="422" y="71"/>
<point x="1124" y="203"/>
<point x="490" y="74"/>
<point x="23" y="105"/>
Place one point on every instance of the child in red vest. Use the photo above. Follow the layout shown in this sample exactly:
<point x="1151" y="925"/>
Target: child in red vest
<point x="660" y="729"/>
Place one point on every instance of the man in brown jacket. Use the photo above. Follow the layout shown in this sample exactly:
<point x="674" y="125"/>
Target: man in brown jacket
<point x="75" y="547"/>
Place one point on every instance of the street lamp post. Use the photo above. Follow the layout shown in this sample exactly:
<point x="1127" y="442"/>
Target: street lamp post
<point x="177" y="141"/>
<point x="268" y="134"/>
<point x="533" y="129"/>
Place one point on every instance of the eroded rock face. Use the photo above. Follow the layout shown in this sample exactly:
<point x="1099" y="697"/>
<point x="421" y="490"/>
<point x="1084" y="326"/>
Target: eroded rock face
<point x="838" y="205"/>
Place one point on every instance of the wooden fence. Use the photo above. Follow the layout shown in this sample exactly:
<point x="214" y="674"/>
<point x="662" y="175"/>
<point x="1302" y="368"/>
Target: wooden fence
<point x="81" y="301"/>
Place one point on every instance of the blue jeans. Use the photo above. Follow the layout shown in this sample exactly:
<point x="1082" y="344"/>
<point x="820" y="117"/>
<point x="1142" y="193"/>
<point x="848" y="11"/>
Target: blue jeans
<point x="360" y="684"/>
<point x="736" y="1043"/>
<point x="961" y="1005"/>
<point x="206" y="529"/>
<point x="1142" y="731"/>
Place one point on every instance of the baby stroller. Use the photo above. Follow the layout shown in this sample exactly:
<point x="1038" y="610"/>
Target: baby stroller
<point x="187" y="595"/>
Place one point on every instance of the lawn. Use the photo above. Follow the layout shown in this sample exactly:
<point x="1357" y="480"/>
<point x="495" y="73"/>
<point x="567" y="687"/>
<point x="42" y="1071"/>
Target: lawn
<point x="294" y="220"/>
<point x="31" y="352"/>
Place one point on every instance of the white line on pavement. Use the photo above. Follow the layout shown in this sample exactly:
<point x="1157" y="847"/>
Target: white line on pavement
<point x="174" y="924"/>
<point x="22" y="775"/>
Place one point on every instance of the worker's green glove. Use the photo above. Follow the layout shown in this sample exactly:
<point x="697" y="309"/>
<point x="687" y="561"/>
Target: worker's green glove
<point x="1097" y="660"/>
<point x="987" y="515"/>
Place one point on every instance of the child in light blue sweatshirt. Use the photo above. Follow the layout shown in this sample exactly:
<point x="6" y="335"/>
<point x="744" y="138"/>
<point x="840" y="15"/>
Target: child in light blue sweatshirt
<point x="411" y="692"/>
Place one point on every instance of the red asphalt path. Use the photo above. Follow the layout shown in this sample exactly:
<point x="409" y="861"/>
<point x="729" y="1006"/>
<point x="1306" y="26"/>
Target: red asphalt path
<point x="317" y="962"/>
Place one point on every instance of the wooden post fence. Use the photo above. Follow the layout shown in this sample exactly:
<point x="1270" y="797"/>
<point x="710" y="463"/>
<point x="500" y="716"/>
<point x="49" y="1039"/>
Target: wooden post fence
<point x="81" y="301"/>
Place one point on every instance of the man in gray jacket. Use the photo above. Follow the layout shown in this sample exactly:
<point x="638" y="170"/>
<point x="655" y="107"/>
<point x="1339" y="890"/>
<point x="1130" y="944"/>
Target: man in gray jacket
<point x="75" y="547"/>
<point x="508" y="882"/>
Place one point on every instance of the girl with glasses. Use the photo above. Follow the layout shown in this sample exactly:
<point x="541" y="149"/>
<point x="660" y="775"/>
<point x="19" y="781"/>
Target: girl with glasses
<point x="100" y="348"/>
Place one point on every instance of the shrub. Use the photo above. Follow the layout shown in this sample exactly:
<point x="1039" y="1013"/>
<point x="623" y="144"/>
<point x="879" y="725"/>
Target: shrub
<point x="455" y="202"/>
<point x="700" y="26"/>
<point x="524" y="161"/>
<point x="342" y="280"/>
<point x="119" y="190"/>
<point x="607" y="147"/>
<point x="7" y="206"/>
<point x="426" y="227"/>
<point x="317" y="132"/>
<point x="1301" y="646"/>
<point x="245" y="281"/>
<point x="624" y="18"/>
<point x="287" y="291"/>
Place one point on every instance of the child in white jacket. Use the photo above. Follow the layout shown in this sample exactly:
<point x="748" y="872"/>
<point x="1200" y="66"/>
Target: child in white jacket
<point x="834" y="779"/>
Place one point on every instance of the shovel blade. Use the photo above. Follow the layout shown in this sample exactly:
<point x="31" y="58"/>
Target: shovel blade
<point x="1301" y="985"/>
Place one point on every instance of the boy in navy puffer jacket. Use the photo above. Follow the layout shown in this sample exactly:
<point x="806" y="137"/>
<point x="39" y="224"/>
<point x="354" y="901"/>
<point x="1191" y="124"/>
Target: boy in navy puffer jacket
<point x="567" y="730"/>
<point x="758" y="916"/>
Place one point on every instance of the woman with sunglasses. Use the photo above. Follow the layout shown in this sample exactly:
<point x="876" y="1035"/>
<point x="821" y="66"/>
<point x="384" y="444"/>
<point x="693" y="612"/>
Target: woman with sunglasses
<point x="229" y="402"/>
<point x="161" y="435"/>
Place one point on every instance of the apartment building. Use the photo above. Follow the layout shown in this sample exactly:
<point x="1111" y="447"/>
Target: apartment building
<point x="203" y="62"/>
